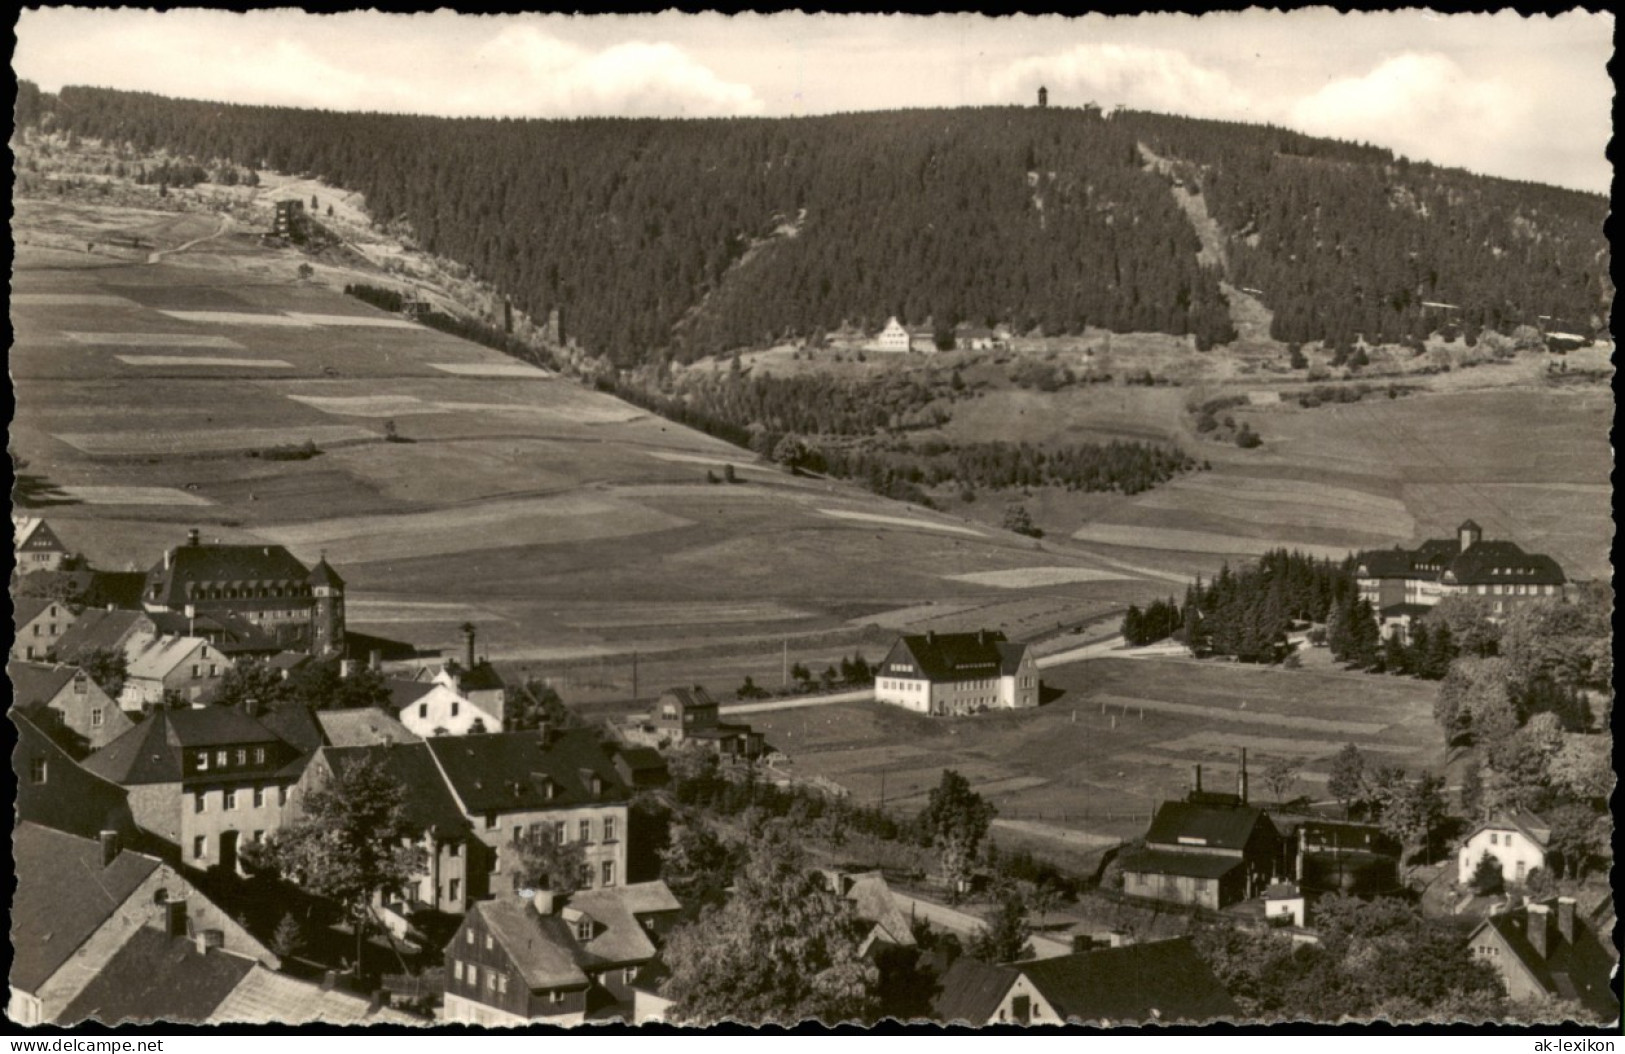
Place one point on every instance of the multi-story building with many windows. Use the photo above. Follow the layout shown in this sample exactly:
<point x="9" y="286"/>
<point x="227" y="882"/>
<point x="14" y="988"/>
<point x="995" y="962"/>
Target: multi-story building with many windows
<point x="1466" y="565"/>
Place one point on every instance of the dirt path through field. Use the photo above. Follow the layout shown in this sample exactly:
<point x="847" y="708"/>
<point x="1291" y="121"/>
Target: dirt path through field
<point x="221" y="227"/>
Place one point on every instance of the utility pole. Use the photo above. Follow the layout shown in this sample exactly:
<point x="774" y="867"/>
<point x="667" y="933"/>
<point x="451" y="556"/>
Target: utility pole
<point x="634" y="675"/>
<point x="785" y="664"/>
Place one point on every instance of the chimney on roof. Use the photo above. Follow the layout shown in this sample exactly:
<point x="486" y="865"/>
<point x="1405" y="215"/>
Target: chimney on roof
<point x="192" y="537"/>
<point x="376" y="1003"/>
<point x="468" y="633"/>
<point x="175" y="918"/>
<point x="1241" y="778"/>
<point x="543" y="901"/>
<point x="345" y="669"/>
<point x="330" y="979"/>
<point x="207" y="939"/>
<point x="1539" y="928"/>
<point x="110" y="847"/>
<point x="1565" y="918"/>
<point x="251" y="707"/>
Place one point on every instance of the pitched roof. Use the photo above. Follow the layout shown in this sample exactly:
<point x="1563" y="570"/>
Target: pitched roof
<point x="1579" y="969"/>
<point x="297" y="725"/>
<point x="403" y="694"/>
<point x="64" y="894"/>
<point x="971" y="991"/>
<point x="1189" y="865"/>
<point x="1523" y="821"/>
<point x="1217" y="826"/>
<point x="73" y="799"/>
<point x="872" y="901"/>
<point x="1160" y="980"/>
<point x="151" y="751"/>
<point x="324" y="575"/>
<point x="209" y="562"/>
<point x="689" y="698"/>
<point x="366" y="726"/>
<point x="1503" y="562"/>
<point x="153" y="658"/>
<point x="618" y="937"/>
<point x="957" y="656"/>
<point x="26" y="609"/>
<point x="540" y="948"/>
<point x="98" y="628"/>
<point x="37" y="682"/>
<point x="507" y="771"/>
<point x="482" y="678"/>
<point x="156" y="977"/>
<point x="429" y="803"/>
<point x="1010" y="656"/>
<point x="265" y="997"/>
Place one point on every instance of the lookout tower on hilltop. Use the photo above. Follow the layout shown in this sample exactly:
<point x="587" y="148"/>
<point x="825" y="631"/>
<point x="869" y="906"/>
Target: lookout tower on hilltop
<point x="1043" y="97"/>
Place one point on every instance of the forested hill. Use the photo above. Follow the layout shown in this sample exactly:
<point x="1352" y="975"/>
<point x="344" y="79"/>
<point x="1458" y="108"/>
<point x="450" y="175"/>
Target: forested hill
<point x="680" y="238"/>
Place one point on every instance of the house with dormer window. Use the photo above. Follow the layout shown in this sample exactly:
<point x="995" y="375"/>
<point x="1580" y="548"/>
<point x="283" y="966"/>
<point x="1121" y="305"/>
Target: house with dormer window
<point x="958" y="673"/>
<point x="560" y="960"/>
<point x="561" y="785"/>
<point x="1396" y="580"/>
<point x="71" y="707"/>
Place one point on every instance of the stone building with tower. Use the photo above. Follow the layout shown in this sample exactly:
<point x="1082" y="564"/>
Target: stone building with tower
<point x="264" y="585"/>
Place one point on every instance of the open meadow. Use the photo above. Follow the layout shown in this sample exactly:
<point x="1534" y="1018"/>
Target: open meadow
<point x="1116" y="737"/>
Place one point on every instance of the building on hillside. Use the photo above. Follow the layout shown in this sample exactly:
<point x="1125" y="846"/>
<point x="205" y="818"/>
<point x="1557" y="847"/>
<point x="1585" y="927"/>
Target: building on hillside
<point x="1465" y="565"/>
<point x="894" y="337"/>
<point x="1212" y="849"/>
<point x="80" y="902"/>
<point x="1158" y="982"/>
<point x="204" y="780"/>
<point x="54" y="791"/>
<point x="1284" y="904"/>
<point x="641" y="768"/>
<point x="559" y="960"/>
<point x="235" y="637"/>
<point x="40" y="624"/>
<point x="958" y="673"/>
<point x="561" y="785"/>
<point x="445" y="834"/>
<point x="69" y="705"/>
<point x="458" y="699"/>
<point x="1516" y="840"/>
<point x="1547" y="950"/>
<point x="188" y="667"/>
<point x="977" y="338"/>
<point x="261" y="584"/>
<point x="36" y="546"/>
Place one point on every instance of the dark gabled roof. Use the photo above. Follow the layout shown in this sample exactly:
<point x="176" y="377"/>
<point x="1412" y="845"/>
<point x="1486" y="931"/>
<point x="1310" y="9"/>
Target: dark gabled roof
<point x="64" y="894"/>
<point x="1503" y="563"/>
<point x="1529" y="824"/>
<point x="403" y="694"/>
<point x="295" y="724"/>
<point x="429" y="802"/>
<point x="97" y="628"/>
<point x="1217" y="826"/>
<point x="26" y="609"/>
<point x="1410" y="611"/>
<point x="971" y="991"/>
<point x="541" y="948"/>
<point x="37" y="682"/>
<point x="324" y="575"/>
<point x="1188" y="865"/>
<point x="231" y="634"/>
<point x="957" y="656"/>
<point x="482" y="678"/>
<point x="1578" y="969"/>
<point x="147" y="753"/>
<point x="1161" y="981"/>
<point x="72" y="799"/>
<point x="209" y="562"/>
<point x="151" y="751"/>
<point x="507" y="771"/>
<point x="156" y="977"/>
<point x="122" y="589"/>
<point x="1010" y="656"/>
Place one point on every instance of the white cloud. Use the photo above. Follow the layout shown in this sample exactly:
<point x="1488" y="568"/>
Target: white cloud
<point x="1131" y="75"/>
<point x="1422" y="105"/>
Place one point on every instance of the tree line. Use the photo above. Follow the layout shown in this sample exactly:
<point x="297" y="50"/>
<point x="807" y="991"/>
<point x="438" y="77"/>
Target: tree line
<point x="678" y="239"/>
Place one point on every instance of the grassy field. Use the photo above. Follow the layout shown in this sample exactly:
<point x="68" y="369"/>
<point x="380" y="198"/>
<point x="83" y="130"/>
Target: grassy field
<point x="1120" y="737"/>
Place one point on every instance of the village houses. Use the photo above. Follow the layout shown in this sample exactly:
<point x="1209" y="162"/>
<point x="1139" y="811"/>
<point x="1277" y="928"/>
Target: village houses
<point x="540" y="957"/>
<point x="36" y="546"/>
<point x="957" y="673"/>
<point x="1546" y="950"/>
<point x="187" y="668"/>
<point x="39" y="623"/>
<point x="68" y="703"/>
<point x="1516" y="841"/>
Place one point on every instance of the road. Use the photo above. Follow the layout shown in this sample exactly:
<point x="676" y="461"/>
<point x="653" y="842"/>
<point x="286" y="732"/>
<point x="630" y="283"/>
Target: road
<point x="221" y="226"/>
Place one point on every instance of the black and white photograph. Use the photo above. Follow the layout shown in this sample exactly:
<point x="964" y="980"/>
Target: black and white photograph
<point x="690" y="520"/>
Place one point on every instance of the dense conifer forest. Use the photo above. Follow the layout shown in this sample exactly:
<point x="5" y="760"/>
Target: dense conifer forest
<point x="665" y="240"/>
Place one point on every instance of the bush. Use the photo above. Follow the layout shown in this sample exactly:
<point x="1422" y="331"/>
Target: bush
<point x="1487" y="878"/>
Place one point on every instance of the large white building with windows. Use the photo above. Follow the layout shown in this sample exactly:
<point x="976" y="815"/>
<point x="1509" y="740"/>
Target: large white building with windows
<point x="957" y="673"/>
<point x="1465" y="565"/>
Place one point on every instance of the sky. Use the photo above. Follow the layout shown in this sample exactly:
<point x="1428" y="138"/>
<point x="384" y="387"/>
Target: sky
<point x="1501" y="94"/>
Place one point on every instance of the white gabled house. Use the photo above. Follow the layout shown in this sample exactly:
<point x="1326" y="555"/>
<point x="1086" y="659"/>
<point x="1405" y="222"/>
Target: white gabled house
<point x="957" y="673"/>
<point x="1518" y="840"/>
<point x="893" y="338"/>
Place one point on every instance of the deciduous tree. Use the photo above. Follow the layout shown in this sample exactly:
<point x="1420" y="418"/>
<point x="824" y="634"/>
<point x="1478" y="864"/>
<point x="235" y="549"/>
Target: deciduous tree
<point x="955" y="820"/>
